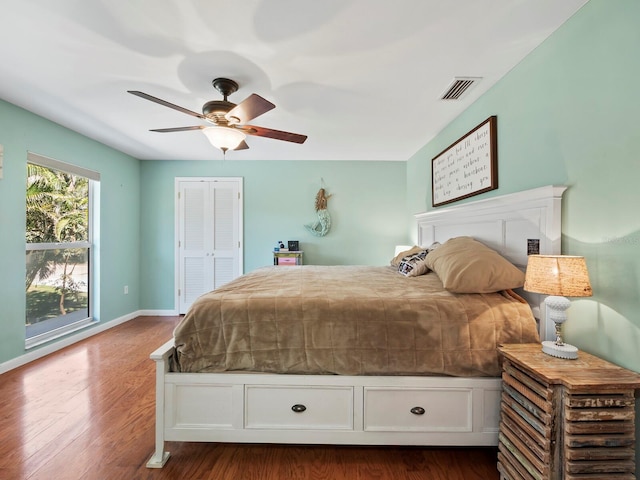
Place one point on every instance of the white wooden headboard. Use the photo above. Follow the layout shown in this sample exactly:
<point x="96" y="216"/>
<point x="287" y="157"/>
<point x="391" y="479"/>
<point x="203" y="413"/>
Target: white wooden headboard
<point x="510" y="224"/>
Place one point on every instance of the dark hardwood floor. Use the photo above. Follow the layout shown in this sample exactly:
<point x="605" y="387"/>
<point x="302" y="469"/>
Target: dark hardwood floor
<point x="87" y="412"/>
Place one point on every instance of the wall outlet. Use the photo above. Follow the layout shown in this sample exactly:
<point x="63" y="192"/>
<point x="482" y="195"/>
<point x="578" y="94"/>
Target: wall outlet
<point x="126" y="289"/>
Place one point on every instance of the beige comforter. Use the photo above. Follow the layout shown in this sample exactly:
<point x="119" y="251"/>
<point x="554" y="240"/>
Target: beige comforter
<point x="348" y="320"/>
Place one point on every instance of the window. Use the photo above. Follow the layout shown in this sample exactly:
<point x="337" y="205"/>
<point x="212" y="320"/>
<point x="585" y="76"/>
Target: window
<point x="59" y="253"/>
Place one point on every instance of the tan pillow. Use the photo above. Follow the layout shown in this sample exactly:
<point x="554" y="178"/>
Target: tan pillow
<point x="395" y="261"/>
<point x="465" y="265"/>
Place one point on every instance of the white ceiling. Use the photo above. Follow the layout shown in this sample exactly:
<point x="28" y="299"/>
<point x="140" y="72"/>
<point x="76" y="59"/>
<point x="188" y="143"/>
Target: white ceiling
<point x="361" y="78"/>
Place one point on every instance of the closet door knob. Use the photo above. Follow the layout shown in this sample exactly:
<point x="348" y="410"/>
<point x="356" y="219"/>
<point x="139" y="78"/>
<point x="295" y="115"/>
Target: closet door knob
<point x="417" y="411"/>
<point x="298" y="408"/>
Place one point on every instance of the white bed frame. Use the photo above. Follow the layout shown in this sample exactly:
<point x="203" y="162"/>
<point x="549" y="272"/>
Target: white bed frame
<point x="364" y="410"/>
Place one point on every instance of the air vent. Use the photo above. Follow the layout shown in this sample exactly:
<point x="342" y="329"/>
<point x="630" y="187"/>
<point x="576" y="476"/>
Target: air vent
<point x="458" y="87"/>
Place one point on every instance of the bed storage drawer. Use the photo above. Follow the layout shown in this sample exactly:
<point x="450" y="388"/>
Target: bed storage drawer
<point x="418" y="409"/>
<point x="288" y="407"/>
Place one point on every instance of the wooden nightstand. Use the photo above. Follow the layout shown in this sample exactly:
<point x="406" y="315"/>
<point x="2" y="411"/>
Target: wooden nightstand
<point x="565" y="419"/>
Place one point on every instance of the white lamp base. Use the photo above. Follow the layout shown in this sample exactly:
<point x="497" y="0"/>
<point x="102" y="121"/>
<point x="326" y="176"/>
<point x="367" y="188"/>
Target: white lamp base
<point x="561" y="351"/>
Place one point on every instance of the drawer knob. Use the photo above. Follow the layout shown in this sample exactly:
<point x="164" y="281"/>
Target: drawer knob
<point x="298" y="408"/>
<point x="417" y="410"/>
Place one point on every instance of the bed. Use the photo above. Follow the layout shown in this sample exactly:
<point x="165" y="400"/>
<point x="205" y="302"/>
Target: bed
<point x="403" y="359"/>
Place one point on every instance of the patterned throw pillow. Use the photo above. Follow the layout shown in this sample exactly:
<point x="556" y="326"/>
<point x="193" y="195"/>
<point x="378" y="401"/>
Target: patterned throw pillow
<point x="413" y="265"/>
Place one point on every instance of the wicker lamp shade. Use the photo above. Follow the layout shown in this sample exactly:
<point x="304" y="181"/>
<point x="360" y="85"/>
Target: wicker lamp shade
<point x="562" y="275"/>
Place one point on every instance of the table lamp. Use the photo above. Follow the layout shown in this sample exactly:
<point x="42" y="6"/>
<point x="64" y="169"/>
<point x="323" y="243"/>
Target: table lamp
<point x="558" y="276"/>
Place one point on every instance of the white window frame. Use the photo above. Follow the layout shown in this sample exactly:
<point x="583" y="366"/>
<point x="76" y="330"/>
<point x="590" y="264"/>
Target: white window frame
<point x="94" y="195"/>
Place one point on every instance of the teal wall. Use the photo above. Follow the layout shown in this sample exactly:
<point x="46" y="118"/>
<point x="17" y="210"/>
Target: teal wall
<point x="568" y="114"/>
<point x="279" y="200"/>
<point x="21" y="131"/>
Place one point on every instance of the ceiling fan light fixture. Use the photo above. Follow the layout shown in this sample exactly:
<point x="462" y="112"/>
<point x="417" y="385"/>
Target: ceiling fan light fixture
<point x="224" y="138"/>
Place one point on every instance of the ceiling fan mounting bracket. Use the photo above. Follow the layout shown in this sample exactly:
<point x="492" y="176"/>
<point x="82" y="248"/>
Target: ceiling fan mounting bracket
<point x="225" y="86"/>
<point x="216" y="109"/>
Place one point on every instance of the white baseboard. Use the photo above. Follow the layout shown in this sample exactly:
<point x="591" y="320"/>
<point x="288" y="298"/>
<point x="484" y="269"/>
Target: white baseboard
<point x="76" y="337"/>
<point x="157" y="313"/>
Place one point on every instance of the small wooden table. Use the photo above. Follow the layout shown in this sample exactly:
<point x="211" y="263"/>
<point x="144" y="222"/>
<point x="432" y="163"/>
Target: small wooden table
<point x="565" y="419"/>
<point x="288" y="257"/>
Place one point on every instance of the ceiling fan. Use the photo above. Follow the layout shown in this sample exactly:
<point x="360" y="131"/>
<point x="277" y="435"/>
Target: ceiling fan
<point x="227" y="127"/>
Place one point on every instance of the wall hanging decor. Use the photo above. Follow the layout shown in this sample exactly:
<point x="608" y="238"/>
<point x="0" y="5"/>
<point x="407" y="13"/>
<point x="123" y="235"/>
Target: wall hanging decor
<point x="467" y="167"/>
<point x="322" y="225"/>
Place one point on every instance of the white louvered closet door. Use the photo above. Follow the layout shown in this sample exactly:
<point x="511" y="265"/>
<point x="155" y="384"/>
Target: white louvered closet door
<point x="209" y="236"/>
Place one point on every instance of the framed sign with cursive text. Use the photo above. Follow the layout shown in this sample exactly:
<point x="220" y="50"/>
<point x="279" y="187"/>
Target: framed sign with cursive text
<point x="467" y="167"/>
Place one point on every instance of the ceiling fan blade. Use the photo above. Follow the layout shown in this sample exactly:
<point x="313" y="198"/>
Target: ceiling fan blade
<point x="248" y="109"/>
<point x="157" y="100"/>
<point x="177" y="129"/>
<point x="242" y="146"/>
<point x="275" y="134"/>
